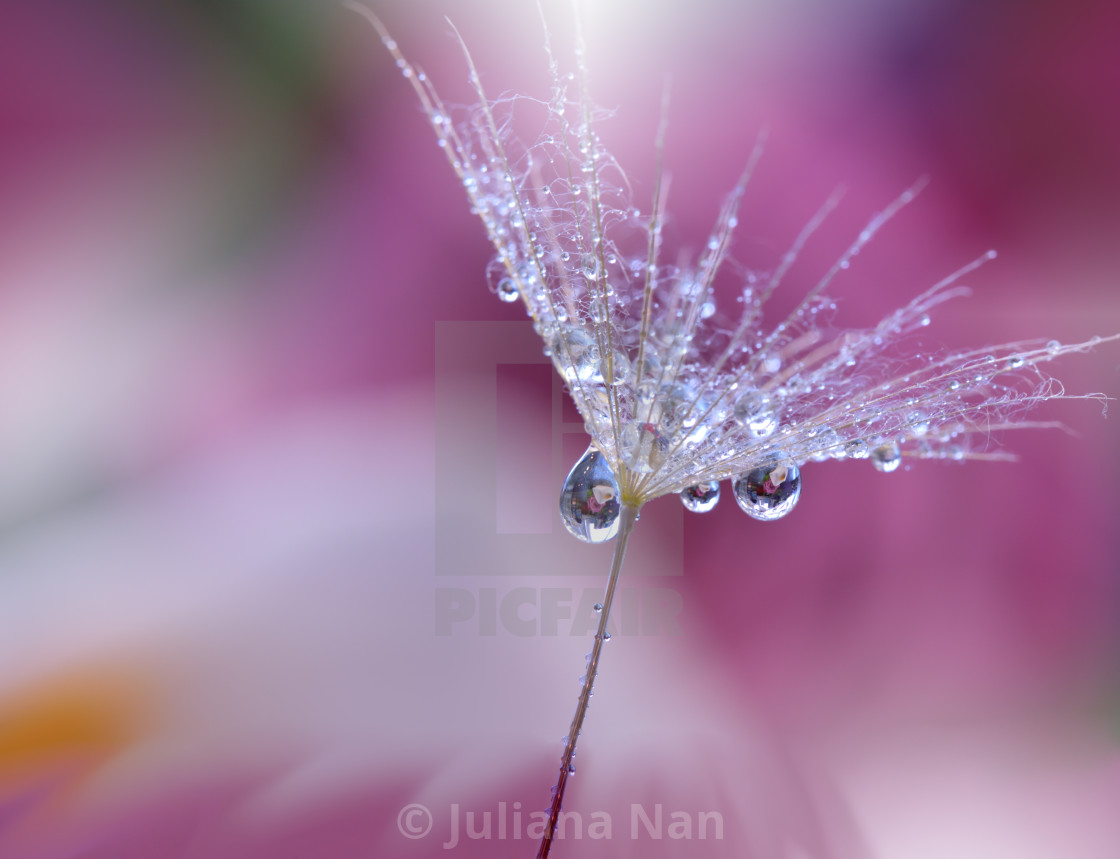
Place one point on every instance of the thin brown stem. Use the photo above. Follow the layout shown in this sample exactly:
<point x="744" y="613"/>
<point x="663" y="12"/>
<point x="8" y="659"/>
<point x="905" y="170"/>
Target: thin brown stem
<point x="627" y="517"/>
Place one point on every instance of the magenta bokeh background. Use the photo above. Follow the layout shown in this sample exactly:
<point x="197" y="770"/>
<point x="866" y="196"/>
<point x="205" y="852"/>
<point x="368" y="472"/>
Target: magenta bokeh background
<point x="226" y="517"/>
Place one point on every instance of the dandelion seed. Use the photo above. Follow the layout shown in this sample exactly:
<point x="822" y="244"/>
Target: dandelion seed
<point x="676" y="398"/>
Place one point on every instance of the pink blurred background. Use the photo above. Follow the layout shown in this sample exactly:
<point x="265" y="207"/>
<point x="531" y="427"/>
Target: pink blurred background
<point x="243" y="502"/>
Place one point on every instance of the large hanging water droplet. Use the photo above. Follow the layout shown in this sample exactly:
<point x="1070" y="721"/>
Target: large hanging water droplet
<point x="701" y="498"/>
<point x="886" y="458"/>
<point x="769" y="491"/>
<point x="589" y="504"/>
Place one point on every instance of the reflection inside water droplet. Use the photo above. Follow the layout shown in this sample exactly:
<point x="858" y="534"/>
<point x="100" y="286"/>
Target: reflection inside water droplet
<point x="589" y="504"/>
<point x="886" y="458"/>
<point x="770" y="491"/>
<point x="701" y="498"/>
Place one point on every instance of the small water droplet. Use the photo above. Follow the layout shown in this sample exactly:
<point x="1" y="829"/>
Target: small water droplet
<point x="769" y="491"/>
<point x="571" y="771"/>
<point x="701" y="498"/>
<point x="886" y="458"/>
<point x="606" y="636"/>
<point x="1053" y="347"/>
<point x="857" y="449"/>
<point x="831" y="445"/>
<point x="1014" y="362"/>
<point x="755" y="411"/>
<point x="589" y="266"/>
<point x="507" y="290"/>
<point x="646" y="391"/>
<point x="617" y="370"/>
<point x="918" y="422"/>
<point x="589" y="504"/>
<point x="598" y="607"/>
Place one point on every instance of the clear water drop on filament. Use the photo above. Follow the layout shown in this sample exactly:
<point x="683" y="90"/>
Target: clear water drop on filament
<point x="589" y="499"/>
<point x="701" y="498"/>
<point x="886" y="458"/>
<point x="770" y="491"/>
<point x="507" y="290"/>
<point x="755" y="410"/>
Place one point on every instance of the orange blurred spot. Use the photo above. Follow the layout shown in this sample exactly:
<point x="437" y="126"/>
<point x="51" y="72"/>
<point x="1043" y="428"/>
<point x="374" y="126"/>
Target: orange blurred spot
<point x="72" y="722"/>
